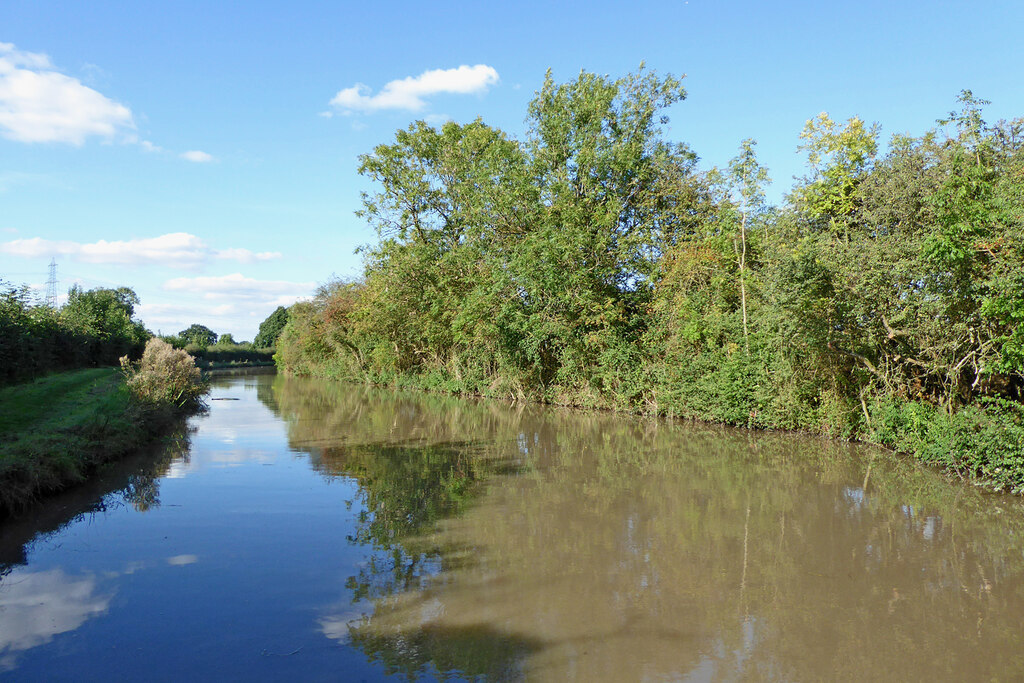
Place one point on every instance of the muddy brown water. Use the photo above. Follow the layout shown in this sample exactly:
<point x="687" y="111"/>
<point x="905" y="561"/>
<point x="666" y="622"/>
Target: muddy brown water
<point x="320" y="531"/>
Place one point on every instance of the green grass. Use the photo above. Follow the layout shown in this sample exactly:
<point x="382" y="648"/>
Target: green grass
<point x="56" y="430"/>
<point x="58" y="400"/>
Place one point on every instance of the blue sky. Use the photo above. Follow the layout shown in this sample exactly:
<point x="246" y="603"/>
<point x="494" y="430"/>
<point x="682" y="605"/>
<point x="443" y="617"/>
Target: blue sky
<point x="192" y="151"/>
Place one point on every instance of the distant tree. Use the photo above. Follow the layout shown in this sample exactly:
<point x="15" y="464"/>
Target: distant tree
<point x="174" y="340"/>
<point x="95" y="308"/>
<point x="104" y="317"/>
<point x="199" y="335"/>
<point x="270" y="329"/>
<point x="226" y="340"/>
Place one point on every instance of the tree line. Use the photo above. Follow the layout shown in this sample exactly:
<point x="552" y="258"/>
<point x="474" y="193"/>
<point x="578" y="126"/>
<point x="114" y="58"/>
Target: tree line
<point x="96" y="328"/>
<point x="197" y="336"/>
<point x="594" y="263"/>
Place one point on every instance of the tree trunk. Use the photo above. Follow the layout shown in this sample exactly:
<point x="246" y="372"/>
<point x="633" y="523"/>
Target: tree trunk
<point x="743" y="287"/>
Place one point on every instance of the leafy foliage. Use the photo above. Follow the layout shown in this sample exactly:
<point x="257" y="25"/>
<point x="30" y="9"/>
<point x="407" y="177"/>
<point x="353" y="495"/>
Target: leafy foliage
<point x="95" y="327"/>
<point x="197" y="334"/>
<point x="270" y="329"/>
<point x="593" y="264"/>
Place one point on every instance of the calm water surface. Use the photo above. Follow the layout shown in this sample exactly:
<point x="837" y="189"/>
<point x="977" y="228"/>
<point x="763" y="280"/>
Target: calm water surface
<point x="303" y="530"/>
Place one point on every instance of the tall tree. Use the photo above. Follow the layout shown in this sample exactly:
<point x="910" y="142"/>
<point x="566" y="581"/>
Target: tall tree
<point x="587" y="272"/>
<point x="747" y="179"/>
<point x="840" y="157"/>
<point x="105" y="317"/>
<point x="270" y="328"/>
<point x="451" y="204"/>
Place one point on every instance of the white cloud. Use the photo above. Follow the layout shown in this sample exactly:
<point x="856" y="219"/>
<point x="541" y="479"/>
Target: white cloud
<point x="40" y="605"/>
<point x="246" y="256"/>
<point x="408" y="93"/>
<point x="232" y="303"/>
<point x="227" y="303"/>
<point x="147" y="311"/>
<point x="237" y="286"/>
<point x="179" y="249"/>
<point x="197" y="156"/>
<point x="40" y="104"/>
<point x="336" y="626"/>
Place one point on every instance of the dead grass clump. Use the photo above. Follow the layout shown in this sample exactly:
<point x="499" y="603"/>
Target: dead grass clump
<point x="165" y="376"/>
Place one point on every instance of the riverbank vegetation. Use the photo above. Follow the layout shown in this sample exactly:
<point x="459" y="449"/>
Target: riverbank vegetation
<point x="94" y="328"/>
<point x="215" y="352"/>
<point x="594" y="263"/>
<point x="224" y="356"/>
<point x="58" y="429"/>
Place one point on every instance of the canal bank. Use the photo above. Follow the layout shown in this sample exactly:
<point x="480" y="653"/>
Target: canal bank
<point x="59" y="429"/>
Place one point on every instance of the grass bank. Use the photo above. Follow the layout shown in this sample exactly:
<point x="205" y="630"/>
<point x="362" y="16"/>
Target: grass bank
<point x="57" y="430"/>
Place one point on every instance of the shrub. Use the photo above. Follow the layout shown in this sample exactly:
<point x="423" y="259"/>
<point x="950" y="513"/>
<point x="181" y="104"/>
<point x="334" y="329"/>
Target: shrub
<point x="165" y="376"/>
<point x="984" y="440"/>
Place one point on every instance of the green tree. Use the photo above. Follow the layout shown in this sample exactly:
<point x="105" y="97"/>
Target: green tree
<point x="452" y="204"/>
<point x="197" y="334"/>
<point x="839" y="158"/>
<point x="593" y="263"/>
<point x="97" y="308"/>
<point x="270" y="328"/>
<point x="746" y="179"/>
<point x="104" y="318"/>
<point x="586" y="272"/>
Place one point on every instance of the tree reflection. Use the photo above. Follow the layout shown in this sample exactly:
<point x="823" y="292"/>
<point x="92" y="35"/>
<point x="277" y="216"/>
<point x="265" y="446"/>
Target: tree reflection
<point x="133" y="481"/>
<point x="554" y="544"/>
<point x="472" y="652"/>
<point x="403" y="492"/>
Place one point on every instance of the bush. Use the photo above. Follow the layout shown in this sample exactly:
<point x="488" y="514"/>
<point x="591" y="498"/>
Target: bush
<point x="165" y="376"/>
<point x="984" y="440"/>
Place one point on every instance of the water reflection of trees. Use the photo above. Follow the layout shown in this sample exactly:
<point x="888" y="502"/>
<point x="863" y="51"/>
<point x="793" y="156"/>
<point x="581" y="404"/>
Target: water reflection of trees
<point x="403" y="491"/>
<point x="401" y="449"/>
<point x="133" y="481"/>
<point x="627" y="548"/>
<point x="411" y="474"/>
<point x="474" y="652"/>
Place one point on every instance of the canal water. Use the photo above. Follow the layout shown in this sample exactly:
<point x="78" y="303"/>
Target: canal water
<point x="304" y="530"/>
